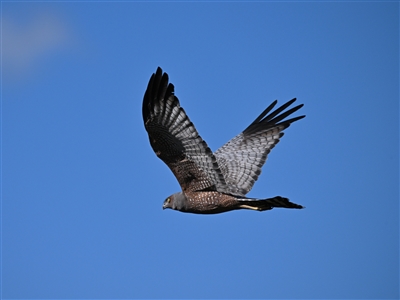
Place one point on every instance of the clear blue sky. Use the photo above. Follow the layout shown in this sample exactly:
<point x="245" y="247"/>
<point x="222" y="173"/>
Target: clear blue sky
<point x="82" y="190"/>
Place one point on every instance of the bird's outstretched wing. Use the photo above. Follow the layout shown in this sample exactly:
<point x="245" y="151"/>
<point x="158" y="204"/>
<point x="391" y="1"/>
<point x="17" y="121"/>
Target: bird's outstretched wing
<point x="242" y="157"/>
<point x="176" y="141"/>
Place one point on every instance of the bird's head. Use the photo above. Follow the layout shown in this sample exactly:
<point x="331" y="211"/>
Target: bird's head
<point x="176" y="201"/>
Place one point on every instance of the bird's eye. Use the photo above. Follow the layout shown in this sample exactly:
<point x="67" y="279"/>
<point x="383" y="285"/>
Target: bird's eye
<point x="168" y="200"/>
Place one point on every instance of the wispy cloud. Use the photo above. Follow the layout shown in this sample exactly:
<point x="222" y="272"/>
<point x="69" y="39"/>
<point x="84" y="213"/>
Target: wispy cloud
<point x="23" y="45"/>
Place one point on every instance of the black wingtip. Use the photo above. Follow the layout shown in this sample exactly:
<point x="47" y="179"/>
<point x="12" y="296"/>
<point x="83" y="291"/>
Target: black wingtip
<point x="268" y="119"/>
<point x="156" y="90"/>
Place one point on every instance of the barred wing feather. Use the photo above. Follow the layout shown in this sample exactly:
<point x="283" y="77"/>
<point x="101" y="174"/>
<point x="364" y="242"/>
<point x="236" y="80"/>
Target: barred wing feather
<point x="242" y="158"/>
<point x="176" y="141"/>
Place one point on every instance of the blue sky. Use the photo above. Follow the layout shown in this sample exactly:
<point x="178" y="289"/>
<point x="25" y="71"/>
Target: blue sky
<point x="82" y="190"/>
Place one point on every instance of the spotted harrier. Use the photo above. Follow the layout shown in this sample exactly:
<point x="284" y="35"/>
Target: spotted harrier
<point x="211" y="182"/>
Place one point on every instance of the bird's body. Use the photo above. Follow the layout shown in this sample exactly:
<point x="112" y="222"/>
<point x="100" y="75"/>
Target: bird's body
<point x="211" y="182"/>
<point x="213" y="202"/>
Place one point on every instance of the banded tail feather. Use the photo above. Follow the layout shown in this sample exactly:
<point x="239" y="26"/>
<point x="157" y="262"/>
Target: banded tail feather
<point x="267" y="204"/>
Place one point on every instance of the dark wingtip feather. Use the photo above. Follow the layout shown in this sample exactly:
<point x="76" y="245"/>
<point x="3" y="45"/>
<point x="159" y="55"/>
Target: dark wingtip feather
<point x="149" y="94"/>
<point x="267" y="110"/>
<point x="157" y="89"/>
<point x="266" y="121"/>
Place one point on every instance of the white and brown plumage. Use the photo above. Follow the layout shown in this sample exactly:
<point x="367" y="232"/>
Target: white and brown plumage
<point x="211" y="182"/>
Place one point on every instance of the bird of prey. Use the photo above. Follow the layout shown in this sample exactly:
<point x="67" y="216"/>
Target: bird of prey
<point x="211" y="182"/>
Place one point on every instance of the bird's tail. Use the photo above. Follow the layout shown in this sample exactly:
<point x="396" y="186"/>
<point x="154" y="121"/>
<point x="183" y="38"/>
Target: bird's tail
<point x="266" y="204"/>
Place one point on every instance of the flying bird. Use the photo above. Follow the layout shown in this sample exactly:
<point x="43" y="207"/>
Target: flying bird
<point x="211" y="182"/>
